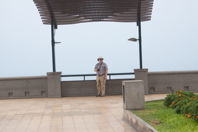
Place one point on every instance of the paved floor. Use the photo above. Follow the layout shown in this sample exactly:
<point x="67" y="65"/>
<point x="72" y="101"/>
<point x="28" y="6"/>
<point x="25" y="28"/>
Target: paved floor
<point x="72" y="114"/>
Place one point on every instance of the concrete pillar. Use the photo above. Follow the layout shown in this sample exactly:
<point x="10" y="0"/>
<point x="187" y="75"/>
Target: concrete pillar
<point x="133" y="94"/>
<point x="142" y="74"/>
<point x="54" y="84"/>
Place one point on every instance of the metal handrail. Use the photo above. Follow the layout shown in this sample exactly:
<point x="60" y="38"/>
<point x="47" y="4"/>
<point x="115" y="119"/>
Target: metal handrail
<point x="86" y="75"/>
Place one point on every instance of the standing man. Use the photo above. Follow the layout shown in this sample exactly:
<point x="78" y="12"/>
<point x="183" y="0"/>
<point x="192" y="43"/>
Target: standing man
<point x="101" y="70"/>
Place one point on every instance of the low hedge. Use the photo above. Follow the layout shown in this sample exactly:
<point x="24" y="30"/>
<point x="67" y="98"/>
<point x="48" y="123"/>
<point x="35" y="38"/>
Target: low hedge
<point x="183" y="102"/>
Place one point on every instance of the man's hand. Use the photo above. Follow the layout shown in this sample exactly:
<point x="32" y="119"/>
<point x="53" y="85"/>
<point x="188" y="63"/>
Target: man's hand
<point x="105" y="76"/>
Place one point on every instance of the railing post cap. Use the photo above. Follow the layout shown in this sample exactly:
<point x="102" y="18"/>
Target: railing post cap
<point x="54" y="73"/>
<point x="141" y="70"/>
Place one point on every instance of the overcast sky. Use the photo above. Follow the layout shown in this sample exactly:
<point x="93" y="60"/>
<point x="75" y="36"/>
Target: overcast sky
<point x="170" y="41"/>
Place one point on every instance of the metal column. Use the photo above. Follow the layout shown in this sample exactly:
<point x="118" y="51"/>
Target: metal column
<point x="53" y="46"/>
<point x="53" y="27"/>
<point x="139" y="32"/>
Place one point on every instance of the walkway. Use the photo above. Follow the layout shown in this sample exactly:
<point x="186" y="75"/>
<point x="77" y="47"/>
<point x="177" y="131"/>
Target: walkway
<point x="72" y="114"/>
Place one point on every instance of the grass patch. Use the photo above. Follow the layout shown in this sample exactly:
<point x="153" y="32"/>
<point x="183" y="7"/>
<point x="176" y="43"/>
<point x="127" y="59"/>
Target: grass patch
<point x="165" y="119"/>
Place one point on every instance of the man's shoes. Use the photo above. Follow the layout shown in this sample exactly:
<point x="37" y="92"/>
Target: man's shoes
<point x="100" y="95"/>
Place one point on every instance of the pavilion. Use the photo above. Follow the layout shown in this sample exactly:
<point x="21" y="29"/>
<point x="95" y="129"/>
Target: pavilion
<point x="63" y="12"/>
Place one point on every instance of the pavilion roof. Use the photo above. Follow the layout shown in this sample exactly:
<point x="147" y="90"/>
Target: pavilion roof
<point x="79" y="11"/>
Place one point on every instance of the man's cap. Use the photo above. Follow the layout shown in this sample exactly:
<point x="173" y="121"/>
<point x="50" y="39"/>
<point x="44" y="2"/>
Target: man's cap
<point x="100" y="58"/>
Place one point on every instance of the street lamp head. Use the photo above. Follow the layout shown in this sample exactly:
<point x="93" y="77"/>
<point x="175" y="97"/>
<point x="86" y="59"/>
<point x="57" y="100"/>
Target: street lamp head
<point x="133" y="39"/>
<point x="57" y="42"/>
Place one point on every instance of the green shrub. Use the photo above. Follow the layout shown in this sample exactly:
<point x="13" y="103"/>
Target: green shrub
<point x="180" y="104"/>
<point x="183" y="102"/>
<point x="169" y="99"/>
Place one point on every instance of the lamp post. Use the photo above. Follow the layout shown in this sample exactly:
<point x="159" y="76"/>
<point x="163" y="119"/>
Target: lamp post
<point x="53" y="42"/>
<point x="139" y="32"/>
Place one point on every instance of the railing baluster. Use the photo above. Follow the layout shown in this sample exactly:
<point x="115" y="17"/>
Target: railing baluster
<point x="109" y="77"/>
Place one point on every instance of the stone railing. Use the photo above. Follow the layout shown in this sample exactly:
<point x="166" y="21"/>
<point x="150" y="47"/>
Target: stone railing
<point x="30" y="87"/>
<point x="168" y="82"/>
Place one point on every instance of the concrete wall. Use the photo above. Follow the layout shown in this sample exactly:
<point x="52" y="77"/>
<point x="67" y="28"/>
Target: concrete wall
<point x="54" y="84"/>
<point x="30" y="87"/>
<point x="142" y="74"/>
<point x="167" y="82"/>
<point x="133" y="94"/>
<point x="51" y="85"/>
<point x="24" y="87"/>
<point x="88" y="88"/>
